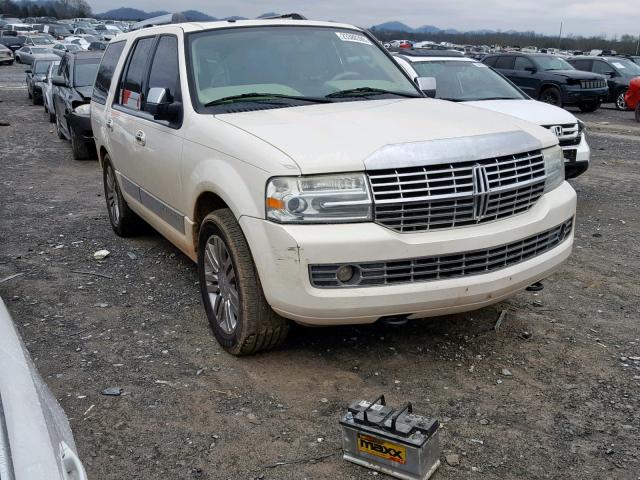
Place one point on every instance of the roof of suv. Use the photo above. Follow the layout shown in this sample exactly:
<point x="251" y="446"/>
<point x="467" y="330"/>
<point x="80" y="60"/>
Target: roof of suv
<point x="608" y="58"/>
<point x="197" y="26"/>
<point x="418" y="55"/>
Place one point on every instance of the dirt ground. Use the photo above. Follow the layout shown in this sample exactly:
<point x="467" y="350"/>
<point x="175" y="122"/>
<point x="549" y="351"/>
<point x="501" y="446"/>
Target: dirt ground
<point x="569" y="409"/>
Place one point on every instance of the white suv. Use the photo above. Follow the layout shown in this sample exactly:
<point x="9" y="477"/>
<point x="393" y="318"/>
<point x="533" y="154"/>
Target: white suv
<point x="293" y="161"/>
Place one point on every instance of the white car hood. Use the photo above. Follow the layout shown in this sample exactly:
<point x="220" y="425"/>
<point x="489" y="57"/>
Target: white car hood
<point x="339" y="137"/>
<point x="533" y="111"/>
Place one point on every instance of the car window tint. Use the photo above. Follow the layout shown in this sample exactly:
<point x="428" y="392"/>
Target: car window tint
<point x="164" y="71"/>
<point x="522" y="63"/>
<point x="504" y="62"/>
<point x="582" y="64"/>
<point x="601" y="67"/>
<point x="131" y="87"/>
<point x="105" y="71"/>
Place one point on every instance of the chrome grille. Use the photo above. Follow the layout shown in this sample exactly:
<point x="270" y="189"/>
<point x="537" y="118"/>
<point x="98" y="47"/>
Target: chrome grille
<point x="441" y="267"/>
<point x="593" y="84"/>
<point x="451" y="195"/>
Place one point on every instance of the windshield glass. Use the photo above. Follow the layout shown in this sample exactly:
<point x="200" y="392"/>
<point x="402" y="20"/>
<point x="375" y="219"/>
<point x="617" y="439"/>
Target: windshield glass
<point x="626" y="67"/>
<point x="552" y="63"/>
<point x="42" y="67"/>
<point x="40" y="50"/>
<point x="72" y="47"/>
<point x="40" y="41"/>
<point x="292" y="61"/>
<point x="466" y="81"/>
<point x="84" y="73"/>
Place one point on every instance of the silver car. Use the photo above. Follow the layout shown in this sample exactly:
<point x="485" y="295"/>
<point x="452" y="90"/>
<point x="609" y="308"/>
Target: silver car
<point x="27" y="54"/>
<point x="6" y="55"/>
<point x="36" y="442"/>
<point x="47" y="91"/>
<point x="61" y="48"/>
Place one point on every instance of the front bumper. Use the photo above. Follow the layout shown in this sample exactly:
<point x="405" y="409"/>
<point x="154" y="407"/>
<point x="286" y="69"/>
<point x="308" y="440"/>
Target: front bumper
<point x="572" y="95"/>
<point x="81" y="125"/>
<point x="576" y="158"/>
<point x="283" y="253"/>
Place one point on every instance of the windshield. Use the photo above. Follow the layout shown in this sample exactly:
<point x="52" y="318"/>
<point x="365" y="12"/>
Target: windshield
<point x="40" y="41"/>
<point x="552" y="63"/>
<point x="466" y="81"/>
<point x="84" y="73"/>
<point x="293" y="62"/>
<point x="40" y="50"/>
<point x="72" y="47"/>
<point x="626" y="67"/>
<point x="42" y="67"/>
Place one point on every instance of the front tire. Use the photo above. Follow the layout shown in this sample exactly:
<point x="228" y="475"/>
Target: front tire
<point x="124" y="221"/>
<point x="240" y="316"/>
<point x="552" y="96"/>
<point x="621" y="104"/>
<point x="80" y="148"/>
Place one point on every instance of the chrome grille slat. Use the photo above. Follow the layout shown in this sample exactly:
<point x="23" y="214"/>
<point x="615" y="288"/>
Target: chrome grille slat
<point x="446" y="266"/>
<point x="415" y="199"/>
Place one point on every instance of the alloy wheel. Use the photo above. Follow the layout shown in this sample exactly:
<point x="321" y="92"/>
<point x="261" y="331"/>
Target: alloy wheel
<point x="620" y="102"/>
<point x="112" y="195"/>
<point x="220" y="278"/>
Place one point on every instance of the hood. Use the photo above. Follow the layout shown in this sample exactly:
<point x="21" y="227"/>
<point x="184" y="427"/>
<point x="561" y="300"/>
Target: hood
<point x="85" y="92"/>
<point x="339" y="137"/>
<point x="577" y="74"/>
<point x="532" y="111"/>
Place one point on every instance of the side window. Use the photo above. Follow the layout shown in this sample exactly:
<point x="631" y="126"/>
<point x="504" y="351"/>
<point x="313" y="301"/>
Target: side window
<point x="505" y="63"/>
<point x="105" y="72"/>
<point x="522" y="63"/>
<point x="582" y="64"/>
<point x="164" y="71"/>
<point x="601" y="67"/>
<point x="491" y="61"/>
<point x="130" y="95"/>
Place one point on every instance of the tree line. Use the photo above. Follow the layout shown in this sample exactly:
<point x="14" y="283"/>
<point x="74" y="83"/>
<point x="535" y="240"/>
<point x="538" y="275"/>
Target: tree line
<point x="54" y="8"/>
<point x="624" y="44"/>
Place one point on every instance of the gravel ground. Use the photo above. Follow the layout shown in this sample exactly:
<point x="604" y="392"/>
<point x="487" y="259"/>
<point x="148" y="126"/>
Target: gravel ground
<point x="569" y="409"/>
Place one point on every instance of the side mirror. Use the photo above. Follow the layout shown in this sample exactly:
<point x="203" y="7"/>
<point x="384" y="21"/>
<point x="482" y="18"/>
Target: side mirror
<point x="28" y="71"/>
<point x="427" y="85"/>
<point x="160" y="104"/>
<point x="58" y="80"/>
<point x="610" y="73"/>
<point x="531" y="69"/>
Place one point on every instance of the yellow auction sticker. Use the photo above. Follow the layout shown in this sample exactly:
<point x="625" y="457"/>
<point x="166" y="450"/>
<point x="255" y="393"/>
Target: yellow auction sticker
<point x="381" y="448"/>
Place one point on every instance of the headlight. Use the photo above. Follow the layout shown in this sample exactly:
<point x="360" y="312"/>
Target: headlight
<point x="84" y="109"/>
<point x="319" y="199"/>
<point x="553" y="167"/>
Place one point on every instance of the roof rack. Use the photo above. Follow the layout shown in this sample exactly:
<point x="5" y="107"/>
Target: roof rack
<point x="161" y="20"/>
<point x="418" y="52"/>
<point x="291" y="16"/>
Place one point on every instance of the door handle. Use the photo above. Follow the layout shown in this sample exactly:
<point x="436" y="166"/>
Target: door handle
<point x="141" y="138"/>
<point x="109" y="123"/>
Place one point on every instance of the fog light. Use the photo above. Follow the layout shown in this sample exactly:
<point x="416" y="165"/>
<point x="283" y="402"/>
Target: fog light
<point x="345" y="273"/>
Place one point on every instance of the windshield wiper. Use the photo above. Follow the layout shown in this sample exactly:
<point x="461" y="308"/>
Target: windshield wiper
<point x="263" y="98"/>
<point x="367" y="91"/>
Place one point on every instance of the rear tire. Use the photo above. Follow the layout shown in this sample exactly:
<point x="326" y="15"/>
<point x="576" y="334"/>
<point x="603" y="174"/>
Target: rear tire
<point x="80" y="148"/>
<point x="552" y="96"/>
<point x="588" y="107"/>
<point x="638" y="112"/>
<point x="59" y="130"/>
<point x="124" y="221"/>
<point x="52" y="117"/>
<point x="240" y="316"/>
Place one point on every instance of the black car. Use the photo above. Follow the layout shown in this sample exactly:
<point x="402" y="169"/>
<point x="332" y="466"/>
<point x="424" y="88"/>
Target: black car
<point x="618" y="70"/>
<point x="95" y="46"/>
<point x="551" y="79"/>
<point x="36" y="76"/>
<point x="13" y="42"/>
<point x="73" y="85"/>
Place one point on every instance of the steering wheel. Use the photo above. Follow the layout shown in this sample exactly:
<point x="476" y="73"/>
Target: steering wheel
<point x="343" y="75"/>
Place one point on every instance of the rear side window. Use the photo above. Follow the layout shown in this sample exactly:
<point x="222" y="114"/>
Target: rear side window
<point x="164" y="71"/>
<point x="581" y="64"/>
<point x="504" y="63"/>
<point x="132" y="81"/>
<point x="105" y="72"/>
<point x="491" y="61"/>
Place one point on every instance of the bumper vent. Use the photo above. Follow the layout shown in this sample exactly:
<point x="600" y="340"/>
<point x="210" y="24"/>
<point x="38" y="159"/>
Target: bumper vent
<point x="423" y="269"/>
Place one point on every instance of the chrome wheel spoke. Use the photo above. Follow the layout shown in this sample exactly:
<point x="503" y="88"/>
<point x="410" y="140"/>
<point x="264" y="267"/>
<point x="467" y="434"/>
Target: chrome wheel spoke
<point x="220" y="282"/>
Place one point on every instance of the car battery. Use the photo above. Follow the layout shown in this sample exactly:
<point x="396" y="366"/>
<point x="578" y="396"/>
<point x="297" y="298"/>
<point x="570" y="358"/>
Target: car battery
<point x="396" y="442"/>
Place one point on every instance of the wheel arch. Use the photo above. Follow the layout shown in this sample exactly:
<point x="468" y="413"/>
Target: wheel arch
<point x="206" y="202"/>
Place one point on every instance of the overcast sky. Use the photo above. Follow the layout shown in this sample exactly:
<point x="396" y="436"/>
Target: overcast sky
<point x="586" y="17"/>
